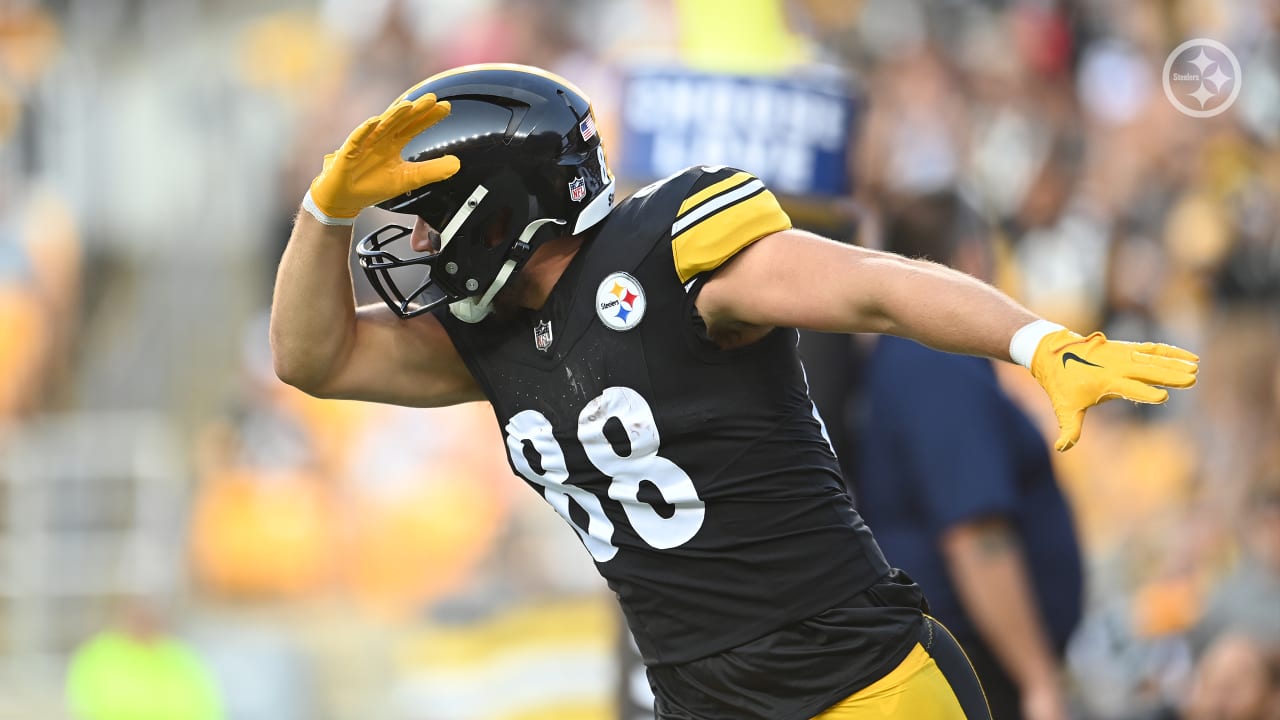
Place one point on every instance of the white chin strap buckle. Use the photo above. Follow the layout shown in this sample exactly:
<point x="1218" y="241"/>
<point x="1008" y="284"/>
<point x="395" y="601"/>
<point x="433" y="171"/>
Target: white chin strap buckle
<point x="472" y="310"/>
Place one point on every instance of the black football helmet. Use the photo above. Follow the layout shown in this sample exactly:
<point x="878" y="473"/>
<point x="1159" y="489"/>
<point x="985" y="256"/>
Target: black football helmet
<point x="531" y="164"/>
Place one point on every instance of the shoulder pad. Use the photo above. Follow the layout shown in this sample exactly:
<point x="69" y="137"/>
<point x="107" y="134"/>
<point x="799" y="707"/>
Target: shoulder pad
<point x="721" y="211"/>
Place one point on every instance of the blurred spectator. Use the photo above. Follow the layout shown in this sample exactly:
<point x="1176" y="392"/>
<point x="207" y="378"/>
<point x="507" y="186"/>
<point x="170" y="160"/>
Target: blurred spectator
<point x="1235" y="681"/>
<point x="958" y="485"/>
<point x="138" y="670"/>
<point x="1124" y="673"/>
<point x="30" y="39"/>
<point x="419" y="516"/>
<point x="39" y="292"/>
<point x="1247" y="600"/>
<point x="263" y="520"/>
<point x="26" y="335"/>
<point x="300" y="496"/>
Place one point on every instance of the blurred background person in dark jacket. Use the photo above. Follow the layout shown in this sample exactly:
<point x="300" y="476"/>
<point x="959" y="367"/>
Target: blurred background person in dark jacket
<point x="957" y="481"/>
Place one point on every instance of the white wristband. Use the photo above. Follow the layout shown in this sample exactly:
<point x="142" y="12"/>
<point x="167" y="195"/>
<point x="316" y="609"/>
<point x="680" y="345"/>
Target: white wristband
<point x="1025" y="341"/>
<point x="310" y="206"/>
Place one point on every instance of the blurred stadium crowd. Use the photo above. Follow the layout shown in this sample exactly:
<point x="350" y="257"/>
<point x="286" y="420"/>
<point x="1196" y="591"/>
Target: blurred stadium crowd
<point x="308" y="559"/>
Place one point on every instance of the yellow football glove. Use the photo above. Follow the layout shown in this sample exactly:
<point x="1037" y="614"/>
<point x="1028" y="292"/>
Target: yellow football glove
<point x="1080" y="372"/>
<point x="368" y="169"/>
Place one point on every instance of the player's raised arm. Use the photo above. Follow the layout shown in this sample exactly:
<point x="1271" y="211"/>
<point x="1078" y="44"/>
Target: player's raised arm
<point x="320" y="342"/>
<point x="796" y="279"/>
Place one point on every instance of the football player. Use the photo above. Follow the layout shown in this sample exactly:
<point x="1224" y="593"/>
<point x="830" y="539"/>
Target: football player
<point x="641" y="360"/>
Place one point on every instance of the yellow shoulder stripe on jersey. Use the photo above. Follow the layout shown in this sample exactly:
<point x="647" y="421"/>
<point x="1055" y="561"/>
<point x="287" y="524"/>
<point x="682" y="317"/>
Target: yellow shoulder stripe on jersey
<point x="728" y="183"/>
<point x="705" y="237"/>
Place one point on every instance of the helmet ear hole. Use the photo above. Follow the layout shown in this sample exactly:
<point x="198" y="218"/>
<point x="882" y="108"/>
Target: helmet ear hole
<point x="497" y="229"/>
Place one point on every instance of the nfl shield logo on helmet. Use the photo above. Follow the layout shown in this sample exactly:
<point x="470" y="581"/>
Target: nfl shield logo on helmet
<point x="542" y="335"/>
<point x="577" y="189"/>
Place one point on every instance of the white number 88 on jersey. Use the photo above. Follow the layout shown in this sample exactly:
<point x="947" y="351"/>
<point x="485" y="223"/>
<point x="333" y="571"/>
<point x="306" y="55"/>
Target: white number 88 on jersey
<point x="627" y="472"/>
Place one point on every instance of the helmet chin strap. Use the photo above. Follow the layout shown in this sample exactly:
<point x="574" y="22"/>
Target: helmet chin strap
<point x="472" y="310"/>
<point x="460" y="217"/>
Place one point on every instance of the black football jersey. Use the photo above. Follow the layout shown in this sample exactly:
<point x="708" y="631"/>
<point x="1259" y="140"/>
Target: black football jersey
<point x="700" y="480"/>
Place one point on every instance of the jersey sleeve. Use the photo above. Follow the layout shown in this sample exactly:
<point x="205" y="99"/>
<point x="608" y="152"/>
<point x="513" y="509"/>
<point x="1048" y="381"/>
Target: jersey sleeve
<point x="724" y="211"/>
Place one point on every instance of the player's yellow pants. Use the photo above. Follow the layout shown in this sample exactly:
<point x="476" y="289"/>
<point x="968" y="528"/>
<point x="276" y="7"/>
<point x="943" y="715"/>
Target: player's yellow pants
<point x="934" y="682"/>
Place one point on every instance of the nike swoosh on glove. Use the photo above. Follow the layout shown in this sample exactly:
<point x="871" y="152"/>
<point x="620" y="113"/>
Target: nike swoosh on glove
<point x="1080" y="372"/>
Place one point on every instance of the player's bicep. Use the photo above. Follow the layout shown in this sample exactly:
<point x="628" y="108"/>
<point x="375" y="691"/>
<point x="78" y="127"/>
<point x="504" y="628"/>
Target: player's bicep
<point x="409" y="362"/>
<point x="794" y="278"/>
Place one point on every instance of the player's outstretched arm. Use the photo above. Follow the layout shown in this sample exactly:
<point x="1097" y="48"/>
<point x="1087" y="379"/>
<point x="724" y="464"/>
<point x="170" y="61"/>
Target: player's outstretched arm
<point x="797" y="279"/>
<point x="320" y="342"/>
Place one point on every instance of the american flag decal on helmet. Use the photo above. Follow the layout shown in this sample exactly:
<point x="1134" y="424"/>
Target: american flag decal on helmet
<point x="587" y="127"/>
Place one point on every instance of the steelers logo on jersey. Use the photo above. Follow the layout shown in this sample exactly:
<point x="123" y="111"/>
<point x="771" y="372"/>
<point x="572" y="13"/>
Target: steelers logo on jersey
<point x="620" y="302"/>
